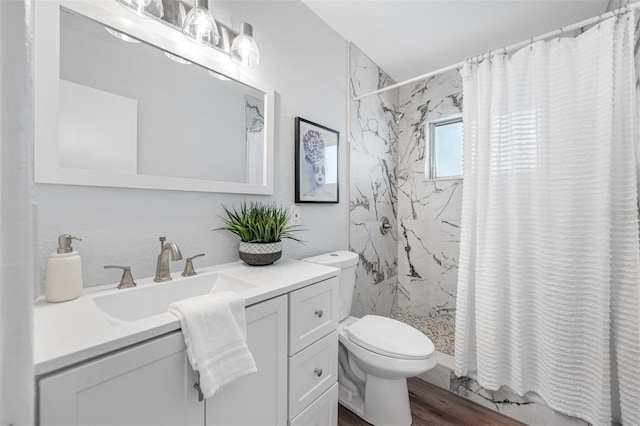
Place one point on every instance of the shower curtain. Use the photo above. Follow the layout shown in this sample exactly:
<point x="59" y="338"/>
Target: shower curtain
<point x="549" y="274"/>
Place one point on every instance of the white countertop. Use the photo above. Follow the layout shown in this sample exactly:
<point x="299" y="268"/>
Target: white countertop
<point x="71" y="332"/>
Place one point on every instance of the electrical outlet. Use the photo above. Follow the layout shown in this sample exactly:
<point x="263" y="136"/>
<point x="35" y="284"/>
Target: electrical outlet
<point x="295" y="215"/>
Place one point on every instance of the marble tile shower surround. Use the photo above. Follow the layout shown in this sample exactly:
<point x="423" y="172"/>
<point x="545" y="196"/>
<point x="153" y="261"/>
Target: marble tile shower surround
<point x="428" y="235"/>
<point x="428" y="224"/>
<point x="373" y="187"/>
<point x="428" y="211"/>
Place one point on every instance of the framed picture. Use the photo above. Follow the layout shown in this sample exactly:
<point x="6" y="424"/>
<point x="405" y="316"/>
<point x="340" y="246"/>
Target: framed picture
<point x="316" y="163"/>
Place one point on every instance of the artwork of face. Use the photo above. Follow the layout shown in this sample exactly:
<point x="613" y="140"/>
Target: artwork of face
<point x="314" y="154"/>
<point x="316" y="163"/>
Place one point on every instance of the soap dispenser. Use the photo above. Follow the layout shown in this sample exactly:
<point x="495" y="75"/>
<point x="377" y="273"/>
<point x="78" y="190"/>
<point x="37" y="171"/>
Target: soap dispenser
<point x="63" y="279"/>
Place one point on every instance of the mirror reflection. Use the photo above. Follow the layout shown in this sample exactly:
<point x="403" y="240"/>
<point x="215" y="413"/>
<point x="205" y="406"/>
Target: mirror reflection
<point x="130" y="108"/>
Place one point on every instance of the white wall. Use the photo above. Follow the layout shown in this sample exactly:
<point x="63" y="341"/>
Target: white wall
<point x="16" y="224"/>
<point x="306" y="62"/>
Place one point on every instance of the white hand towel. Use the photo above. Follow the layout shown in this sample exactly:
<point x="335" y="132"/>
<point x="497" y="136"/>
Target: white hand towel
<point x="215" y="332"/>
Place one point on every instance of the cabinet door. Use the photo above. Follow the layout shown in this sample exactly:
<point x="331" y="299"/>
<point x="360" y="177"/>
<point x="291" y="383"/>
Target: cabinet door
<point x="147" y="384"/>
<point x="260" y="398"/>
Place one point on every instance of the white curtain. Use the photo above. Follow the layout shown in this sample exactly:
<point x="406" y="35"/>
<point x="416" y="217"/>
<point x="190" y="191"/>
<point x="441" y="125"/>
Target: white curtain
<point x="549" y="282"/>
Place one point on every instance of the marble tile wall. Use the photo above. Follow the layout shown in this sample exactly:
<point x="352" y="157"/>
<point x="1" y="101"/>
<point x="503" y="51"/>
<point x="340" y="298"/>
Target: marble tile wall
<point x="373" y="187"/>
<point x="428" y="211"/>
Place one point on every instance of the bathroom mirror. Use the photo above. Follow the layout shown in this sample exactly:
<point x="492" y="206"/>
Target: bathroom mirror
<point x="159" y="112"/>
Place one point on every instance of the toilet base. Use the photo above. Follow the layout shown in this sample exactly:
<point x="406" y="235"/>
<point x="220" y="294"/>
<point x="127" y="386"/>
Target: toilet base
<point x="386" y="402"/>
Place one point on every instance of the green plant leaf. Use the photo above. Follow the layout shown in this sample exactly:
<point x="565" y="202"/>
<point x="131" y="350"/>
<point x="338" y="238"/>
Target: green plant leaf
<point x="259" y="222"/>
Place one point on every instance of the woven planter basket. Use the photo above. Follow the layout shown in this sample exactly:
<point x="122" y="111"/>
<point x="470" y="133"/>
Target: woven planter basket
<point x="260" y="254"/>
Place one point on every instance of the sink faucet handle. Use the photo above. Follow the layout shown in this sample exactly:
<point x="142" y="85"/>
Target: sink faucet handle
<point x="127" y="279"/>
<point x="188" y="267"/>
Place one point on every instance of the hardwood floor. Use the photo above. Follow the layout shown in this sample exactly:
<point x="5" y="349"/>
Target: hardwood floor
<point x="433" y="406"/>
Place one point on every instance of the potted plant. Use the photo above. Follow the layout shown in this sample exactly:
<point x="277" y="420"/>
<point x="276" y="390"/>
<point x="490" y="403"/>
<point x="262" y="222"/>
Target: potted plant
<point x="261" y="228"/>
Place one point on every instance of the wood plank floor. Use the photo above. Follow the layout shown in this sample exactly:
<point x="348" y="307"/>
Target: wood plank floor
<point x="434" y="406"/>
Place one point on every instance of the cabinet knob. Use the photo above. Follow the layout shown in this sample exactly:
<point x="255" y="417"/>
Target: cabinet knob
<point x="319" y="313"/>
<point x="318" y="371"/>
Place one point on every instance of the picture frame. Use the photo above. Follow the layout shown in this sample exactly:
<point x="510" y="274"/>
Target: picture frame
<point x="316" y="150"/>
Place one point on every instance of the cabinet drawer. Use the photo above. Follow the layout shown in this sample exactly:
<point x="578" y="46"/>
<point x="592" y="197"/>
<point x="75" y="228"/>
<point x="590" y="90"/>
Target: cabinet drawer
<point x="313" y="313"/>
<point x="322" y="412"/>
<point x="312" y="372"/>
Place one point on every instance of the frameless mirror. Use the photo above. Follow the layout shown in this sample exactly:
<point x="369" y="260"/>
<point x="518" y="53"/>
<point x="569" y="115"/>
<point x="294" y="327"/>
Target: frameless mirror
<point x="125" y="102"/>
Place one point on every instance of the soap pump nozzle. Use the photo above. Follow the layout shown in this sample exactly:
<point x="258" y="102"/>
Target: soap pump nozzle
<point x="64" y="243"/>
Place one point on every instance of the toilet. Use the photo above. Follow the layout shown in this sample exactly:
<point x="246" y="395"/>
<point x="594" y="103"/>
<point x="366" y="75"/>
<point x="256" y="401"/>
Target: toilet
<point x="376" y="354"/>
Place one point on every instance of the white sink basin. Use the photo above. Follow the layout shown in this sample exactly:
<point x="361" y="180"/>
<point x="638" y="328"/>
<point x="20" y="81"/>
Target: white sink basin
<point x="153" y="299"/>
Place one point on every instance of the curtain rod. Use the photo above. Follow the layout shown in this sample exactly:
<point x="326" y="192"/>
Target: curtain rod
<point x="509" y="48"/>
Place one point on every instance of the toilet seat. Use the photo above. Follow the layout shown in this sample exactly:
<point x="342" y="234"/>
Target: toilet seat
<point x="391" y="338"/>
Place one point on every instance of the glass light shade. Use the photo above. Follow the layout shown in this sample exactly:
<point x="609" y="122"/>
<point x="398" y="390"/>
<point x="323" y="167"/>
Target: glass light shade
<point x="121" y="36"/>
<point x="144" y="8"/>
<point x="244" y="49"/>
<point x="200" y="27"/>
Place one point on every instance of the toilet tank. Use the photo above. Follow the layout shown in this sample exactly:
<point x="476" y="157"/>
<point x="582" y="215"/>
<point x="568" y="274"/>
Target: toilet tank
<point x="347" y="261"/>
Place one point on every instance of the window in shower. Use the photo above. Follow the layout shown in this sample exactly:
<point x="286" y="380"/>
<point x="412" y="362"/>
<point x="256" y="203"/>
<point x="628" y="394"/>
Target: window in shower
<point x="444" y="148"/>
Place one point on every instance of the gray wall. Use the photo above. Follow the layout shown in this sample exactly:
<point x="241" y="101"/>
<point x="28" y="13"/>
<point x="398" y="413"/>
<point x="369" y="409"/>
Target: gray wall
<point x="306" y="62"/>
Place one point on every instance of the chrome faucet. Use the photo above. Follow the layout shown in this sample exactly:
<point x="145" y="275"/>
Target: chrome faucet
<point x="163" y="273"/>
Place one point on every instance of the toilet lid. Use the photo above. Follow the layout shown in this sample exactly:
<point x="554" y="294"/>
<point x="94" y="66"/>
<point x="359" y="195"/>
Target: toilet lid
<point x="386" y="336"/>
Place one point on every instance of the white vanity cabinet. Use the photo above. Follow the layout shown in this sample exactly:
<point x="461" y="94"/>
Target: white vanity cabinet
<point x="313" y="354"/>
<point x="292" y="321"/>
<point x="152" y="383"/>
<point x="147" y="384"/>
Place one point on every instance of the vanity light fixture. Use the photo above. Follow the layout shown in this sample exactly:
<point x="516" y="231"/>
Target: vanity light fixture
<point x="200" y="27"/>
<point x="121" y="36"/>
<point x="144" y="8"/>
<point x="244" y="49"/>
